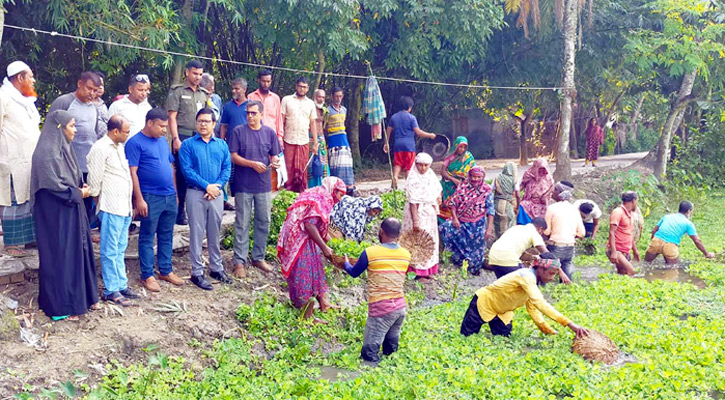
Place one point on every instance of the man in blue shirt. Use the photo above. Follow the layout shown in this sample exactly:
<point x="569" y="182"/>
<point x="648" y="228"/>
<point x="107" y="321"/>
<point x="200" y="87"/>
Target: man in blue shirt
<point x="154" y="192"/>
<point x="403" y="126"/>
<point x="234" y="112"/>
<point x="206" y="164"/>
<point x="668" y="232"/>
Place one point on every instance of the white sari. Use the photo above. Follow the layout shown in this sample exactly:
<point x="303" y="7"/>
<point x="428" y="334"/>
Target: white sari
<point x="424" y="190"/>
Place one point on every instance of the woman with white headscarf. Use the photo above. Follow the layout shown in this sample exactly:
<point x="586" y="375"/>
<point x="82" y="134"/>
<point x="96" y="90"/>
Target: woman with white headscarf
<point x="423" y="191"/>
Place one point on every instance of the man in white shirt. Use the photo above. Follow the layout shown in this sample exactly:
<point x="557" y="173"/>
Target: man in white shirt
<point x="19" y="133"/>
<point x="298" y="117"/>
<point x="109" y="179"/>
<point x="134" y="106"/>
<point x="564" y="225"/>
<point x="590" y="213"/>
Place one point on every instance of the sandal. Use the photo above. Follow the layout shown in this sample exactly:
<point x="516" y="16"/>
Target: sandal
<point x="95" y="306"/>
<point x="14" y="251"/>
<point x="118" y="299"/>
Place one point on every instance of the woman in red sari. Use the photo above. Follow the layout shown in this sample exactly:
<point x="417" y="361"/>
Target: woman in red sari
<point x="595" y="138"/>
<point x="301" y="245"/>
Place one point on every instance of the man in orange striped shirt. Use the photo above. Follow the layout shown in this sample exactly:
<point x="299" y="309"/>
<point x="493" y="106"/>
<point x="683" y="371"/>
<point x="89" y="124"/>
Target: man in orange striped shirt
<point x="387" y="265"/>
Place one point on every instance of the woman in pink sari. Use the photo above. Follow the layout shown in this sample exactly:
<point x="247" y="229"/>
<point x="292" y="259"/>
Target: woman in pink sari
<point x="538" y="186"/>
<point x="301" y="244"/>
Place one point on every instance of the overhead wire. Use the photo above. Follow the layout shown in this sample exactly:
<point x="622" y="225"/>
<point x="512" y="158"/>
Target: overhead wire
<point x="272" y="67"/>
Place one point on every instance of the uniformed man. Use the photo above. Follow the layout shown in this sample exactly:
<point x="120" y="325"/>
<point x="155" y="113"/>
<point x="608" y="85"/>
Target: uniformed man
<point x="184" y="101"/>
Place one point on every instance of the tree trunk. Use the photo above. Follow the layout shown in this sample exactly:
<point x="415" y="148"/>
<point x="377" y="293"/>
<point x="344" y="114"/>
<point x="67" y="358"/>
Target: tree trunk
<point x="634" y="126"/>
<point x="523" y="144"/>
<point x="321" y="63"/>
<point x="2" y="23"/>
<point x="354" y="110"/>
<point x="563" y="163"/>
<point x="674" y="119"/>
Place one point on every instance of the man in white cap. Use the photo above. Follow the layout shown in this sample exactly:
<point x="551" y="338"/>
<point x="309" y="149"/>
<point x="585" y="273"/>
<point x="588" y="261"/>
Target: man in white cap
<point x="19" y="133"/>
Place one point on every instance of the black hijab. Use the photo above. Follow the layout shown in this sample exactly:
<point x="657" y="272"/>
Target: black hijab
<point x="54" y="162"/>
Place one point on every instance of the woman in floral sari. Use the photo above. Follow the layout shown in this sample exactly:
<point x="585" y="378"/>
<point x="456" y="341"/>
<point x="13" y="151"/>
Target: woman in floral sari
<point x="454" y="171"/>
<point x="538" y="187"/>
<point x="595" y="139"/>
<point x="302" y="243"/>
<point x="472" y="221"/>
<point x="505" y="199"/>
<point x="423" y="192"/>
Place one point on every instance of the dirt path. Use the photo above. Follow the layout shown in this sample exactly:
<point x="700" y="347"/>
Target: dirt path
<point x="493" y="168"/>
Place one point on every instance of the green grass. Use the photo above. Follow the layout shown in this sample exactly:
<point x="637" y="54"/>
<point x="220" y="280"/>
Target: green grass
<point x="674" y="330"/>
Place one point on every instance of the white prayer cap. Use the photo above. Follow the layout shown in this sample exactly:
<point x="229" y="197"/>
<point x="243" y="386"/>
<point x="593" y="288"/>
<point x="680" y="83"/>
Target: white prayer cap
<point x="17" y="67"/>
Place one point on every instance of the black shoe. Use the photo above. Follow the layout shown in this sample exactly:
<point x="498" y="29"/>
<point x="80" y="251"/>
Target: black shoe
<point x="228" y="206"/>
<point x="220" y="276"/>
<point x="201" y="282"/>
<point x="132" y="228"/>
<point x="129" y="294"/>
<point x="182" y="220"/>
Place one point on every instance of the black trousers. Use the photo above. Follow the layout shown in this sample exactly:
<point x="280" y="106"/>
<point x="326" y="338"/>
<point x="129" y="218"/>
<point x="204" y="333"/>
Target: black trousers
<point x="502" y="271"/>
<point x="472" y="322"/>
<point x="180" y="183"/>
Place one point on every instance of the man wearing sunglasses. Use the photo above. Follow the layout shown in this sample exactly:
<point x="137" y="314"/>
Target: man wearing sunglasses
<point x="134" y="106"/>
<point x="254" y="148"/>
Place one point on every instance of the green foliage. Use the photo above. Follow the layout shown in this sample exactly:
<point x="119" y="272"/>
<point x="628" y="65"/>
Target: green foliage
<point x="393" y="206"/>
<point x="702" y="156"/>
<point x="281" y="202"/>
<point x="350" y="248"/>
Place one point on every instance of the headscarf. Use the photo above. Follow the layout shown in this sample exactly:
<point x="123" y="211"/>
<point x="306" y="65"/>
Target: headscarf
<point x="565" y="192"/>
<point x="470" y="199"/>
<point x="316" y="202"/>
<point x="546" y="263"/>
<point x="459" y="140"/>
<point x="506" y="182"/>
<point x="351" y="216"/>
<point x="423" y="188"/>
<point x="54" y="162"/>
<point x="537" y="189"/>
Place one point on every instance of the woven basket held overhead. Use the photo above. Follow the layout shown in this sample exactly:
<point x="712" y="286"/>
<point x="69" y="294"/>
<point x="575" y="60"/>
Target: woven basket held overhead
<point x="420" y="245"/>
<point x="596" y="347"/>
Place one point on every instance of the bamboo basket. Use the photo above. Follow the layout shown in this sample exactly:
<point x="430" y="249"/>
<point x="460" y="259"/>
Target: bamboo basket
<point x="596" y="347"/>
<point x="420" y="245"/>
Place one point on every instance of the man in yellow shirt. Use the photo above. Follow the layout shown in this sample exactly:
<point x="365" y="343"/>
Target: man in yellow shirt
<point x="495" y="304"/>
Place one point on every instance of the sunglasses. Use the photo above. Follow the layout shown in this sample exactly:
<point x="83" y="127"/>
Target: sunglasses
<point x="142" y="78"/>
<point x="252" y="112"/>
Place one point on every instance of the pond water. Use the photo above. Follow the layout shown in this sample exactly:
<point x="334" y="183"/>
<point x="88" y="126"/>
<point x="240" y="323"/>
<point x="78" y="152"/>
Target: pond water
<point x="334" y="374"/>
<point x="676" y="274"/>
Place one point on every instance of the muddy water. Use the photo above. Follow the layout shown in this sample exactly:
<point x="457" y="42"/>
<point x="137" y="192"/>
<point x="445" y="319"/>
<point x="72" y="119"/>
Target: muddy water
<point x="677" y="274"/>
<point x="334" y="374"/>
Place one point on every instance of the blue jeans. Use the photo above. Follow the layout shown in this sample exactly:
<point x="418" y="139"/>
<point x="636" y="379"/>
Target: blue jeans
<point x="565" y="254"/>
<point x="114" y="240"/>
<point x="160" y="221"/>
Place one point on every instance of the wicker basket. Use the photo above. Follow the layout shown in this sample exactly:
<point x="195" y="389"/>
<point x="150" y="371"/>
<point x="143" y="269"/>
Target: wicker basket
<point x="596" y="347"/>
<point x="335" y="232"/>
<point x="339" y="261"/>
<point x="420" y="245"/>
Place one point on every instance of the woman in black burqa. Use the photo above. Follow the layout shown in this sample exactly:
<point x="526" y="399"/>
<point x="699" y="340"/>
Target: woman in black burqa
<point x="67" y="272"/>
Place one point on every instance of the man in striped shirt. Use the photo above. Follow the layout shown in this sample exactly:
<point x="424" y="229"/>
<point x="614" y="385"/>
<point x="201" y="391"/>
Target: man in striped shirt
<point x="387" y="265"/>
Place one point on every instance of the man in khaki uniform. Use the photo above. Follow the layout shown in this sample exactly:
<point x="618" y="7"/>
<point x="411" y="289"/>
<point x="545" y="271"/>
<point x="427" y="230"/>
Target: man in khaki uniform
<point x="183" y="102"/>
